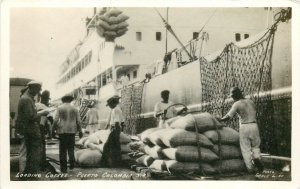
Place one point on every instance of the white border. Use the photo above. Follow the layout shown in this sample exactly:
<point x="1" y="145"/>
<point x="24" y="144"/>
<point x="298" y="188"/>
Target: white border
<point x="4" y="155"/>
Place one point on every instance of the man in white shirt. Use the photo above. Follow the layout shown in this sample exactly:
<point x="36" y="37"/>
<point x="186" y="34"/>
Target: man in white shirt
<point x="164" y="109"/>
<point x="249" y="132"/>
<point x="92" y="119"/>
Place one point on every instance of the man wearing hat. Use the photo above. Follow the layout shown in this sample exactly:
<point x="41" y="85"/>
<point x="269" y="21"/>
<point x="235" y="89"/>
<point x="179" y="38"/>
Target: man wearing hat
<point x="27" y="125"/>
<point x="67" y="122"/>
<point x="112" y="148"/>
<point x="164" y="109"/>
<point x="249" y="133"/>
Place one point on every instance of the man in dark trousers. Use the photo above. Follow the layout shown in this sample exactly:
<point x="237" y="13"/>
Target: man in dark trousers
<point x="112" y="149"/>
<point x="249" y="133"/>
<point x="67" y="122"/>
<point x="27" y="125"/>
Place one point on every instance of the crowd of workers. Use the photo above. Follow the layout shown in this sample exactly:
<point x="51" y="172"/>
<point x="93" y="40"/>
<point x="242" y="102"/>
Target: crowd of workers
<point x="32" y="124"/>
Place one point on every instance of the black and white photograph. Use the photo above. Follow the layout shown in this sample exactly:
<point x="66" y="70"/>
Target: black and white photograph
<point x="153" y="93"/>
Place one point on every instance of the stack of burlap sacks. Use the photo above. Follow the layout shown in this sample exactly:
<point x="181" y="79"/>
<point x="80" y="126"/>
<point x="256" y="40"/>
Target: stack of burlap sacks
<point x="176" y="149"/>
<point x="93" y="145"/>
<point x="112" y="24"/>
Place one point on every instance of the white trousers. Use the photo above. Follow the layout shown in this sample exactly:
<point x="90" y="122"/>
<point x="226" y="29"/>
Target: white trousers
<point x="22" y="156"/>
<point x="249" y="142"/>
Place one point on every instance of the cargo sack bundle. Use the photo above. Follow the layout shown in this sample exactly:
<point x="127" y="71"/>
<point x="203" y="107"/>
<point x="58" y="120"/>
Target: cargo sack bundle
<point x="190" y="154"/>
<point x="203" y="121"/>
<point x="112" y="24"/>
<point x="227" y="136"/>
<point x="88" y="158"/>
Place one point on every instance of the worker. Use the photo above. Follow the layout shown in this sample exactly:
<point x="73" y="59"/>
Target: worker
<point x="164" y="109"/>
<point x="67" y="122"/>
<point x="249" y="132"/>
<point x="27" y="125"/>
<point x="112" y="149"/>
<point x="92" y="118"/>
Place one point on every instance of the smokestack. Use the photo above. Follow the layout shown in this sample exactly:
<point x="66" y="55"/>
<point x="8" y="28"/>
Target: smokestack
<point x="95" y="10"/>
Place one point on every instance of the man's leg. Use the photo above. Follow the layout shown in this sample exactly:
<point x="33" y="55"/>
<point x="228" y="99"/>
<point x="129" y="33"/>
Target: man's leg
<point x="255" y="144"/>
<point x="43" y="149"/>
<point x="22" y="156"/>
<point x="245" y="145"/>
<point x="71" y="144"/>
<point x="63" y="153"/>
<point x="33" y="158"/>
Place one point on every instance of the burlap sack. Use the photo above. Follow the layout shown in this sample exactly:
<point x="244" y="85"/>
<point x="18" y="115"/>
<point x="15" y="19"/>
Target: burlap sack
<point x="159" y="165"/>
<point x="81" y="141"/>
<point x="94" y="146"/>
<point x="102" y="135"/>
<point x="145" y="160"/>
<point x="155" y="137"/>
<point x="155" y="152"/>
<point x="189" y="154"/>
<point x="114" y="19"/>
<point x="125" y="157"/>
<point x="176" y="167"/>
<point x="88" y="158"/>
<point x="228" y="136"/>
<point x="121" y="32"/>
<point x="125" y="148"/>
<point x="228" y="151"/>
<point x="204" y="122"/>
<point x="113" y="12"/>
<point x="230" y="166"/>
<point x="145" y="135"/>
<point x="180" y="137"/>
<point x="110" y="33"/>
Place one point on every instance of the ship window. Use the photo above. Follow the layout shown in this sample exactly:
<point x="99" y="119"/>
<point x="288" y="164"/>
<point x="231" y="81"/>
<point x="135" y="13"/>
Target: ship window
<point x="195" y="35"/>
<point x="135" y="74"/>
<point x="158" y="36"/>
<point x="246" y="36"/>
<point x="103" y="79"/>
<point x="237" y="37"/>
<point x="79" y="66"/>
<point x="86" y="60"/>
<point x="138" y="36"/>
<point x="90" y="56"/>
<point x="82" y="63"/>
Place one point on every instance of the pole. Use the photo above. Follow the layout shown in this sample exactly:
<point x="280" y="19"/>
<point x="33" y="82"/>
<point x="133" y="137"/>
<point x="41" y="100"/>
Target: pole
<point x="167" y="30"/>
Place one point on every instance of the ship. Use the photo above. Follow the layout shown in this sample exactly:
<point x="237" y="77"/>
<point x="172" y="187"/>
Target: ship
<point x="248" y="47"/>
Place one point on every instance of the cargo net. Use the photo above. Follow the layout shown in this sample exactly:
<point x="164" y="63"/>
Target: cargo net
<point x="248" y="68"/>
<point x="132" y="97"/>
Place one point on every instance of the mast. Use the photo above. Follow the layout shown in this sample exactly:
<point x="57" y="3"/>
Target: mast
<point x="168" y="27"/>
<point x="167" y="17"/>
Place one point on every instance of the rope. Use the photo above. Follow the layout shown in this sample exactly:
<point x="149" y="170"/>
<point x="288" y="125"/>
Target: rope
<point x="198" y="147"/>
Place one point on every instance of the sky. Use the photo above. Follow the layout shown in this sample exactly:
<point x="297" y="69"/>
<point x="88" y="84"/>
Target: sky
<point x="41" y="39"/>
